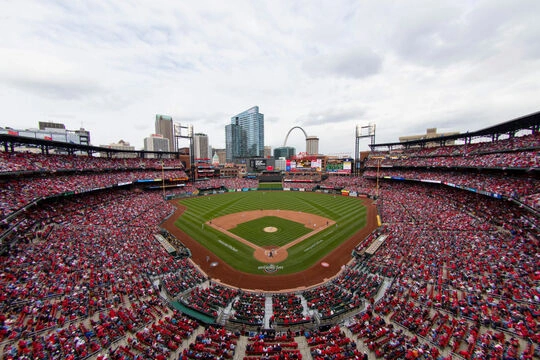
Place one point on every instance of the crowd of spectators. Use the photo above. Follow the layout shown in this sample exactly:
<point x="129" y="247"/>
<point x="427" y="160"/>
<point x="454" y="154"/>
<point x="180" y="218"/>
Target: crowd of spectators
<point x="434" y="163"/>
<point x="330" y="300"/>
<point x="227" y="183"/>
<point x="31" y="162"/>
<point x="17" y="192"/>
<point x="346" y="292"/>
<point x="79" y="278"/>
<point x="465" y="269"/>
<point x="331" y="344"/>
<point x="72" y="221"/>
<point x="452" y="164"/>
<point x="210" y="300"/>
<point x="80" y="339"/>
<point x="188" y="277"/>
<point x="516" y="187"/>
<point x="387" y="341"/>
<point x="303" y="177"/>
<point x="214" y="343"/>
<point x="271" y="345"/>
<point x="532" y="200"/>
<point x="155" y="341"/>
<point x="359" y="282"/>
<point x="357" y="184"/>
<point x="514" y="160"/>
<point x="287" y="309"/>
<point x="515" y="152"/>
<point x="93" y="258"/>
<point x="248" y="308"/>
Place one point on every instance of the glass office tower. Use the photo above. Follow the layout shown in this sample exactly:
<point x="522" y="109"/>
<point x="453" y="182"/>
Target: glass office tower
<point x="244" y="136"/>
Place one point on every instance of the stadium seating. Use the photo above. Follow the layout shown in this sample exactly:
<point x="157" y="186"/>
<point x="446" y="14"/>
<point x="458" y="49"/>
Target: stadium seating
<point x="214" y="343"/>
<point x="27" y="162"/>
<point x="523" y="188"/>
<point x="331" y="343"/>
<point x="226" y="183"/>
<point x="457" y="274"/>
<point x="249" y="309"/>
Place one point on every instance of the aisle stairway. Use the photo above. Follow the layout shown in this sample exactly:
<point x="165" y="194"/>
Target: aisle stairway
<point x="240" y="351"/>
<point x="303" y="347"/>
<point x="268" y="311"/>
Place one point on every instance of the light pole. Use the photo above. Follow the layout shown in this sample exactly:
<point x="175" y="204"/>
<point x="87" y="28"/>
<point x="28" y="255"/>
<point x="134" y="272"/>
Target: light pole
<point x="377" y="188"/>
<point x="163" y="179"/>
<point x="362" y="132"/>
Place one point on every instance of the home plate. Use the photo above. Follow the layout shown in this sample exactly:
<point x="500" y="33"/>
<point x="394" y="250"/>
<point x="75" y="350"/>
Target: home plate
<point x="325" y="264"/>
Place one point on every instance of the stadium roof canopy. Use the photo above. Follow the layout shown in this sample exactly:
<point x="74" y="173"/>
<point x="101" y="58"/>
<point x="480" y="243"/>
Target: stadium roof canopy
<point x="10" y="142"/>
<point x="528" y="122"/>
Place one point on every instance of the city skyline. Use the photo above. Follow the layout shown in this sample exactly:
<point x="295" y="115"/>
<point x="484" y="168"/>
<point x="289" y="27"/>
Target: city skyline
<point x="203" y="149"/>
<point x="109" y="67"/>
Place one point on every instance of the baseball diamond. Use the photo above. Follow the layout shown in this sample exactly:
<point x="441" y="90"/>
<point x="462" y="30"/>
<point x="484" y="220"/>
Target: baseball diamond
<point x="310" y="229"/>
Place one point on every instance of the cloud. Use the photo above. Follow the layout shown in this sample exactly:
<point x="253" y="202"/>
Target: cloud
<point x="62" y="116"/>
<point x="56" y="88"/>
<point x="331" y="117"/>
<point x="450" y="33"/>
<point x="356" y="64"/>
<point x="405" y="66"/>
<point x="46" y="75"/>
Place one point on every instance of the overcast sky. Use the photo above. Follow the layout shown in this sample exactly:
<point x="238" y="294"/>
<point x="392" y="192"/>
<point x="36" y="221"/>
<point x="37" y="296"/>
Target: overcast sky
<point x="327" y="66"/>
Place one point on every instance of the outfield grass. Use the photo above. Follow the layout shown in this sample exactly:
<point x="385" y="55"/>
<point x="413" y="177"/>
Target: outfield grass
<point x="349" y="214"/>
<point x="287" y="231"/>
<point x="270" y="186"/>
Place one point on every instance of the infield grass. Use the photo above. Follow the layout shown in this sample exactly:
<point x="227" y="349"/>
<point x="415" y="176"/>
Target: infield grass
<point x="287" y="231"/>
<point x="348" y="212"/>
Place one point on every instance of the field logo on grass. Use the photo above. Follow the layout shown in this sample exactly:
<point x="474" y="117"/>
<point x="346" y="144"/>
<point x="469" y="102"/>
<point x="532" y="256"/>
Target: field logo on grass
<point x="227" y="245"/>
<point x="270" y="268"/>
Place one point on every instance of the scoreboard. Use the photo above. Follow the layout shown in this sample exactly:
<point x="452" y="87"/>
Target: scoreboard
<point x="339" y="166"/>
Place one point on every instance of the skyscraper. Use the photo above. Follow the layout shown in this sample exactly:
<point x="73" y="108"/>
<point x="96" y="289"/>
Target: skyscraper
<point x="200" y="146"/>
<point x="244" y="136"/>
<point x="312" y="145"/>
<point x="234" y="142"/>
<point x="285" y="151"/>
<point x="165" y="127"/>
<point x="156" y="142"/>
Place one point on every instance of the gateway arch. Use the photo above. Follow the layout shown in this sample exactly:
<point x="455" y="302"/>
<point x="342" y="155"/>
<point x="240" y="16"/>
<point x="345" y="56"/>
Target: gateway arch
<point x="312" y="142"/>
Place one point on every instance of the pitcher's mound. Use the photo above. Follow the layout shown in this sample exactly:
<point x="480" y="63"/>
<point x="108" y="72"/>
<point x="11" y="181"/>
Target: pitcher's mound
<point x="270" y="229"/>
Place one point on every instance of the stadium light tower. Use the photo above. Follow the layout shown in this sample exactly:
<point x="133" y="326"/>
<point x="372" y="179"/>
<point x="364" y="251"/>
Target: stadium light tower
<point x="186" y="132"/>
<point x="362" y="132"/>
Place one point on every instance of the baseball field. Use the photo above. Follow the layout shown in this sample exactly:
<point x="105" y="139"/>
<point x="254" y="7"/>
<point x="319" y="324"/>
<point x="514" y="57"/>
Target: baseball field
<point x="264" y="239"/>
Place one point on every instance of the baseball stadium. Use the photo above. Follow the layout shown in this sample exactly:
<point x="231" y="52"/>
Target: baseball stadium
<point x="424" y="249"/>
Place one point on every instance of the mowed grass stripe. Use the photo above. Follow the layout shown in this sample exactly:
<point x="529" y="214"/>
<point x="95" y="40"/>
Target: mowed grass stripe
<point x="222" y="246"/>
<point x="287" y="231"/>
<point x="327" y="207"/>
<point x="349" y="213"/>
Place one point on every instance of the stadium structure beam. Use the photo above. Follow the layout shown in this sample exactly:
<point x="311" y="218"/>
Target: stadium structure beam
<point x="180" y="133"/>
<point x="362" y="132"/>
